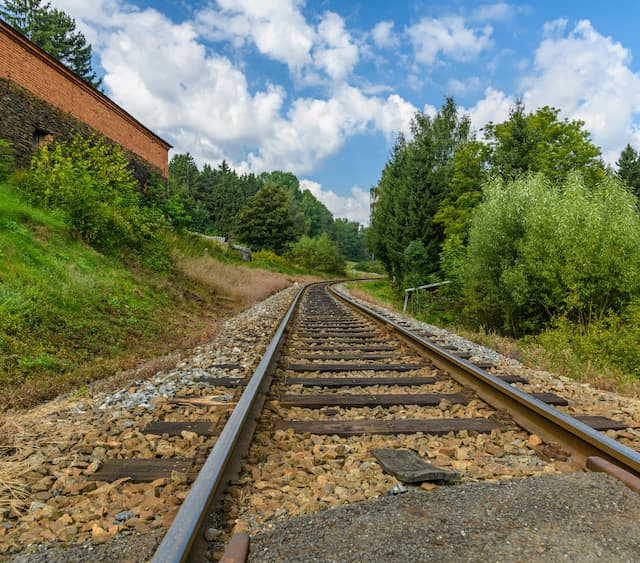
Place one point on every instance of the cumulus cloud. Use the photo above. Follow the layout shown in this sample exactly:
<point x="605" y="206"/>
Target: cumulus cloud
<point x="500" y="11"/>
<point x="587" y="76"/>
<point x="448" y="37"/>
<point x="336" y="52"/>
<point x="166" y="75"/>
<point x="460" y="87"/>
<point x="314" y="129"/>
<point x="384" y="36"/>
<point x="493" y="107"/>
<point x="354" y="207"/>
<point x="278" y="28"/>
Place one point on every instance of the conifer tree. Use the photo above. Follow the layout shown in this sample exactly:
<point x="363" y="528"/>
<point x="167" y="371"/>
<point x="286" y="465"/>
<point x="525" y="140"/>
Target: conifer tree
<point x="53" y="31"/>
<point x="629" y="168"/>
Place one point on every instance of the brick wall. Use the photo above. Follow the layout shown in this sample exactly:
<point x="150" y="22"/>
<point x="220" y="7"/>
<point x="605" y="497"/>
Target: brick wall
<point x="68" y="104"/>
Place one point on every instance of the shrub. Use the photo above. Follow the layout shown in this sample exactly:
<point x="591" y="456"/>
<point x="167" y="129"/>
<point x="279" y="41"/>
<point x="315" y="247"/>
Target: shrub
<point x="91" y="184"/>
<point x="538" y="251"/>
<point x="269" y="257"/>
<point x="317" y="254"/>
<point x="369" y="266"/>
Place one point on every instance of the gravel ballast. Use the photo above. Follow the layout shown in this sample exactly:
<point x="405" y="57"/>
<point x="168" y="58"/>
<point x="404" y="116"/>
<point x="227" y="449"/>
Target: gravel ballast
<point x="578" y="517"/>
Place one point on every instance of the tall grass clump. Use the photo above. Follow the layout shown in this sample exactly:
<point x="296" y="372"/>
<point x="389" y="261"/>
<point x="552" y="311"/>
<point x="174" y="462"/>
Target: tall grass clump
<point x="539" y="251"/>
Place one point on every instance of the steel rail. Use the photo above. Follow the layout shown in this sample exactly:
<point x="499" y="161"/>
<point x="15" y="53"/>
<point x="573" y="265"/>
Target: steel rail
<point x="533" y="415"/>
<point x="223" y="460"/>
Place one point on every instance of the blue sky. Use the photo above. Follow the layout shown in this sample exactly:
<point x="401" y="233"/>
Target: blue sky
<point x="321" y="88"/>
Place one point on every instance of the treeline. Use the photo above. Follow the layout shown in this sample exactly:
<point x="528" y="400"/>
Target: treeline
<point x="527" y="221"/>
<point x="267" y="211"/>
<point x="90" y="184"/>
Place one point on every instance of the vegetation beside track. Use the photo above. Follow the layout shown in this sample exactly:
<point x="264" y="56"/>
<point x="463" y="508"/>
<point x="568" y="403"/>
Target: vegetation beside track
<point x="603" y="353"/>
<point x="95" y="278"/>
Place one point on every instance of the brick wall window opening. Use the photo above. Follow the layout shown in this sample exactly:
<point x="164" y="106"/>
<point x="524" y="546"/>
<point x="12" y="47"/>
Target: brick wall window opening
<point x="41" y="138"/>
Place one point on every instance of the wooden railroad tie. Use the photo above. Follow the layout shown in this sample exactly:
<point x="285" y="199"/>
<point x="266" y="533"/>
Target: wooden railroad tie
<point x="337" y="334"/>
<point x="201" y="401"/>
<point x="373" y="400"/>
<point x="360" y="381"/>
<point x="354" y="367"/>
<point x="176" y="428"/>
<point x="362" y="356"/>
<point x="435" y="426"/>
<point x="601" y="422"/>
<point x="143" y="470"/>
<point x="364" y="348"/>
<point x="407" y="466"/>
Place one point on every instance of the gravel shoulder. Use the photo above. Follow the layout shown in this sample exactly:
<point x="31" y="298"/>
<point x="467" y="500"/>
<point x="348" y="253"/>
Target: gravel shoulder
<point x="586" y="517"/>
<point x="51" y="509"/>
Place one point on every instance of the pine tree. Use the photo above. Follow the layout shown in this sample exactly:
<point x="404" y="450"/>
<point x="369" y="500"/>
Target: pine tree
<point x="54" y="32"/>
<point x="265" y="222"/>
<point x="629" y="168"/>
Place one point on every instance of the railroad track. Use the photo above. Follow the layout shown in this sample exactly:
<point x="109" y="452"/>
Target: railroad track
<point x="349" y="399"/>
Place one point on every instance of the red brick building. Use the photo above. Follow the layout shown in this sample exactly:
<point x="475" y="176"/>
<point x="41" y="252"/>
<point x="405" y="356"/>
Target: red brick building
<point x="41" y="99"/>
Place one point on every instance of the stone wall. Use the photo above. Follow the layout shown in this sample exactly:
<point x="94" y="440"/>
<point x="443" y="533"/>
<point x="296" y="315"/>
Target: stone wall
<point x="23" y="115"/>
<point x="41" y="96"/>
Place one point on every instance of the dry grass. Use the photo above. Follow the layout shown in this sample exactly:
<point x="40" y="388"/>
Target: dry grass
<point x="233" y="282"/>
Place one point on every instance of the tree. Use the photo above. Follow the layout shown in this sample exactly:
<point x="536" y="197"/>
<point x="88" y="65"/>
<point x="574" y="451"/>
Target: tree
<point x="265" y="222"/>
<point x="317" y="254"/>
<point x="539" y="251"/>
<point x="629" y="168"/>
<point x="540" y="142"/>
<point x="53" y="31"/>
<point x="413" y="184"/>
<point x="465" y="189"/>
<point x="318" y="219"/>
<point x="350" y="239"/>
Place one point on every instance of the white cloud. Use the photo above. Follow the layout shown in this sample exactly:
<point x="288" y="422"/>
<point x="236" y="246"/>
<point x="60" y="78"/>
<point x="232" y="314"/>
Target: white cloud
<point x="336" y="53"/>
<point x="159" y="72"/>
<point x="493" y="107"/>
<point x="588" y="77"/>
<point x="314" y="129"/>
<point x="384" y="36"/>
<point x="501" y="11"/>
<point x="163" y="74"/>
<point x="277" y="28"/>
<point x="460" y="87"/>
<point x="449" y="37"/>
<point x="555" y="28"/>
<point x="354" y="207"/>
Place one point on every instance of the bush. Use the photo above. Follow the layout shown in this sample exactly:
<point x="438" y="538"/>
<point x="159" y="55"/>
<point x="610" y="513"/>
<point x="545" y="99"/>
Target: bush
<point x="452" y="263"/>
<point x="538" y="251"/>
<point x="317" y="254"/>
<point x="370" y="267"/>
<point x="91" y="184"/>
<point x="600" y="346"/>
<point x="270" y="258"/>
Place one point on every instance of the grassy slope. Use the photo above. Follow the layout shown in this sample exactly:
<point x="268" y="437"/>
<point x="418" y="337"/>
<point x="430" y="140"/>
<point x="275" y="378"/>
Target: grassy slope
<point x="604" y="354"/>
<point x="69" y="315"/>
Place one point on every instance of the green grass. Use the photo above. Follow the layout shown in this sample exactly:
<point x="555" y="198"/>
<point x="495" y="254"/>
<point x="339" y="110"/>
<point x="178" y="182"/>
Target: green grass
<point x="70" y="315"/>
